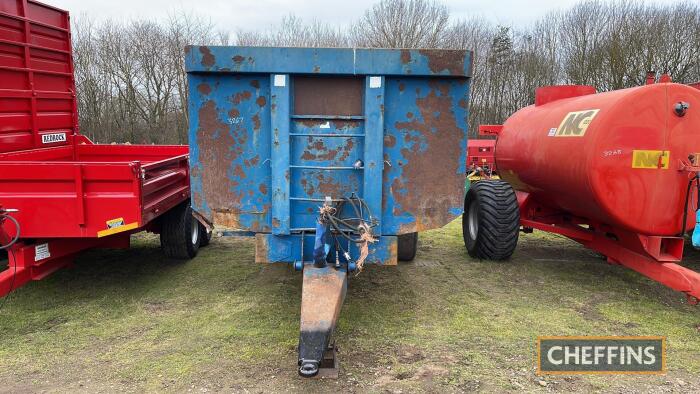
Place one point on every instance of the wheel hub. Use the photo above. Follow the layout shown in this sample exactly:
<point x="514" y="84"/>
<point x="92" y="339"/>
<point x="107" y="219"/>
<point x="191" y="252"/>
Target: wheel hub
<point x="473" y="221"/>
<point x="195" y="231"/>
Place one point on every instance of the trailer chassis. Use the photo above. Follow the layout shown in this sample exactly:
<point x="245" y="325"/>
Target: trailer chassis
<point x="655" y="257"/>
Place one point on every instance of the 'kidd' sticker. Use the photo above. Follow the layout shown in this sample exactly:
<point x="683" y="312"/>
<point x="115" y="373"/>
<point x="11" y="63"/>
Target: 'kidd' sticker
<point x="53" y="138"/>
<point x="117" y="225"/>
<point x="114" y="223"/>
<point x="576" y="123"/>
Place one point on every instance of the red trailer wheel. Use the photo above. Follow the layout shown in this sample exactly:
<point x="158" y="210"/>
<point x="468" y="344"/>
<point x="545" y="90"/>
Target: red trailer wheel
<point x="491" y="220"/>
<point x="205" y="236"/>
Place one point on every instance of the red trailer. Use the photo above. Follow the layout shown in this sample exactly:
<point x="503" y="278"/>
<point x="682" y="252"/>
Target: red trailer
<point x="60" y="193"/>
<point x="480" y="156"/>
<point x="617" y="172"/>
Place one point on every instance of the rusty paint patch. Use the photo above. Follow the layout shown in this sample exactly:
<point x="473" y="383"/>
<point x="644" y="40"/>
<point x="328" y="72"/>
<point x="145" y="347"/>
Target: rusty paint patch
<point x="256" y="122"/>
<point x="263" y="188"/>
<point x="238" y="171"/>
<point x="241" y="96"/>
<point x="431" y="184"/>
<point x="393" y="253"/>
<point x="317" y="184"/>
<point x="322" y="295"/>
<point x="227" y="219"/>
<point x="402" y="86"/>
<point x="316" y="150"/>
<point x="389" y="142"/>
<point x="231" y="219"/>
<point x="214" y="142"/>
<point x="385" y="173"/>
<point x="261" y="249"/>
<point x="255" y="83"/>
<point x="219" y="147"/>
<point x="208" y="59"/>
<point x="405" y="56"/>
<point x="197" y="199"/>
<point x="440" y="60"/>
<point x="331" y="187"/>
<point x="238" y="59"/>
<point x="204" y="88"/>
<point x="261" y="101"/>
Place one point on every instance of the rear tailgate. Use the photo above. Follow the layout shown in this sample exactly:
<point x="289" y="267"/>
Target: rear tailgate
<point x="109" y="189"/>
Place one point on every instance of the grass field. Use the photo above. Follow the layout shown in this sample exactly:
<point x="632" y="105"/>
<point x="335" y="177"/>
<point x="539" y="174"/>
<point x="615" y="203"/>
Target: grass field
<point x="133" y="320"/>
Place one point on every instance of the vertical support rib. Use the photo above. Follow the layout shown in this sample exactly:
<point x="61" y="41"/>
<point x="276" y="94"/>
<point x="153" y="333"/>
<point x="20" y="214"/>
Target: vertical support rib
<point x="279" y="158"/>
<point x="79" y="193"/>
<point x="374" y="146"/>
<point x="322" y="296"/>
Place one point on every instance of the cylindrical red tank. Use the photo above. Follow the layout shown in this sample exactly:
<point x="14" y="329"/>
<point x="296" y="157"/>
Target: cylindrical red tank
<point x="612" y="157"/>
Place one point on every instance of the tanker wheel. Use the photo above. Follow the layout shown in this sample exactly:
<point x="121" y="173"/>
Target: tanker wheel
<point x="206" y="235"/>
<point x="407" y="246"/>
<point x="180" y="234"/>
<point x="491" y="220"/>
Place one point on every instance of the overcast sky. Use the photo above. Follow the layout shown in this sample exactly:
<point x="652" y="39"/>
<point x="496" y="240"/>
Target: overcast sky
<point x="232" y="15"/>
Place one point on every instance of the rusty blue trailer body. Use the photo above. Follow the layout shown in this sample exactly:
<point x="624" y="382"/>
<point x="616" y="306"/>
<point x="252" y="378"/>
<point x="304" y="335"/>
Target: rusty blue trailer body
<point x="327" y="156"/>
<point x="273" y="131"/>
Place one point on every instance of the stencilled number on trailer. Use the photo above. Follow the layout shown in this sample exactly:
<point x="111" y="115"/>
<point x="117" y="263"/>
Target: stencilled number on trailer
<point x="614" y="152"/>
<point x="41" y="252"/>
<point x="235" y="120"/>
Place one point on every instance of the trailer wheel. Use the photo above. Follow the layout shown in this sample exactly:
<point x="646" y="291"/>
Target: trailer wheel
<point x="205" y="235"/>
<point x="491" y="220"/>
<point x="407" y="246"/>
<point x="180" y="235"/>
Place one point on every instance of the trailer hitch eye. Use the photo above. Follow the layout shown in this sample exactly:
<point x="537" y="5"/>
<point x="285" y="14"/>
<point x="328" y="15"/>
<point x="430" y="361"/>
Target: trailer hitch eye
<point x="308" y="368"/>
<point x="681" y="108"/>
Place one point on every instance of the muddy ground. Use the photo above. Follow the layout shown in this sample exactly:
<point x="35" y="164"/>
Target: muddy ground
<point x="131" y="320"/>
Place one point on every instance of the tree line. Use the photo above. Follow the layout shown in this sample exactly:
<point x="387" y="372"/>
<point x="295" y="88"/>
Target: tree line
<point x="132" y="84"/>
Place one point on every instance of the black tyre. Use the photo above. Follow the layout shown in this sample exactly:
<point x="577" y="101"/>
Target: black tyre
<point x="205" y="235"/>
<point x="408" y="245"/>
<point x="491" y="220"/>
<point x="179" y="234"/>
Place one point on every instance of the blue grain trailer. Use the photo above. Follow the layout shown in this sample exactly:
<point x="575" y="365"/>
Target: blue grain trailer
<point x="331" y="158"/>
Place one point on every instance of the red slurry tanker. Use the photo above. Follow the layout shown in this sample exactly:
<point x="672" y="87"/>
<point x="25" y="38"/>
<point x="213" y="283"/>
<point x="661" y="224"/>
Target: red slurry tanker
<point x="615" y="171"/>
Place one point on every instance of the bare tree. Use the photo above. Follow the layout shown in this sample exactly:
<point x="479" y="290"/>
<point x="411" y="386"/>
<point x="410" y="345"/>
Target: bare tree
<point x="402" y="24"/>
<point x="295" y="32"/>
<point x="132" y="84"/>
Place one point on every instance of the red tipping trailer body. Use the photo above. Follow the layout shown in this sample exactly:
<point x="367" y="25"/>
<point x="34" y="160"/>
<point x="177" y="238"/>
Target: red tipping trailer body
<point x="480" y="153"/>
<point x="66" y="193"/>
<point x="611" y="171"/>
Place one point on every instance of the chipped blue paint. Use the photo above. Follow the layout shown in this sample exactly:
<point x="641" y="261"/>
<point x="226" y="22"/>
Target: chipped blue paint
<point x="287" y="248"/>
<point x="374" y="144"/>
<point x="256" y="166"/>
<point x="348" y="61"/>
<point x="279" y="93"/>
